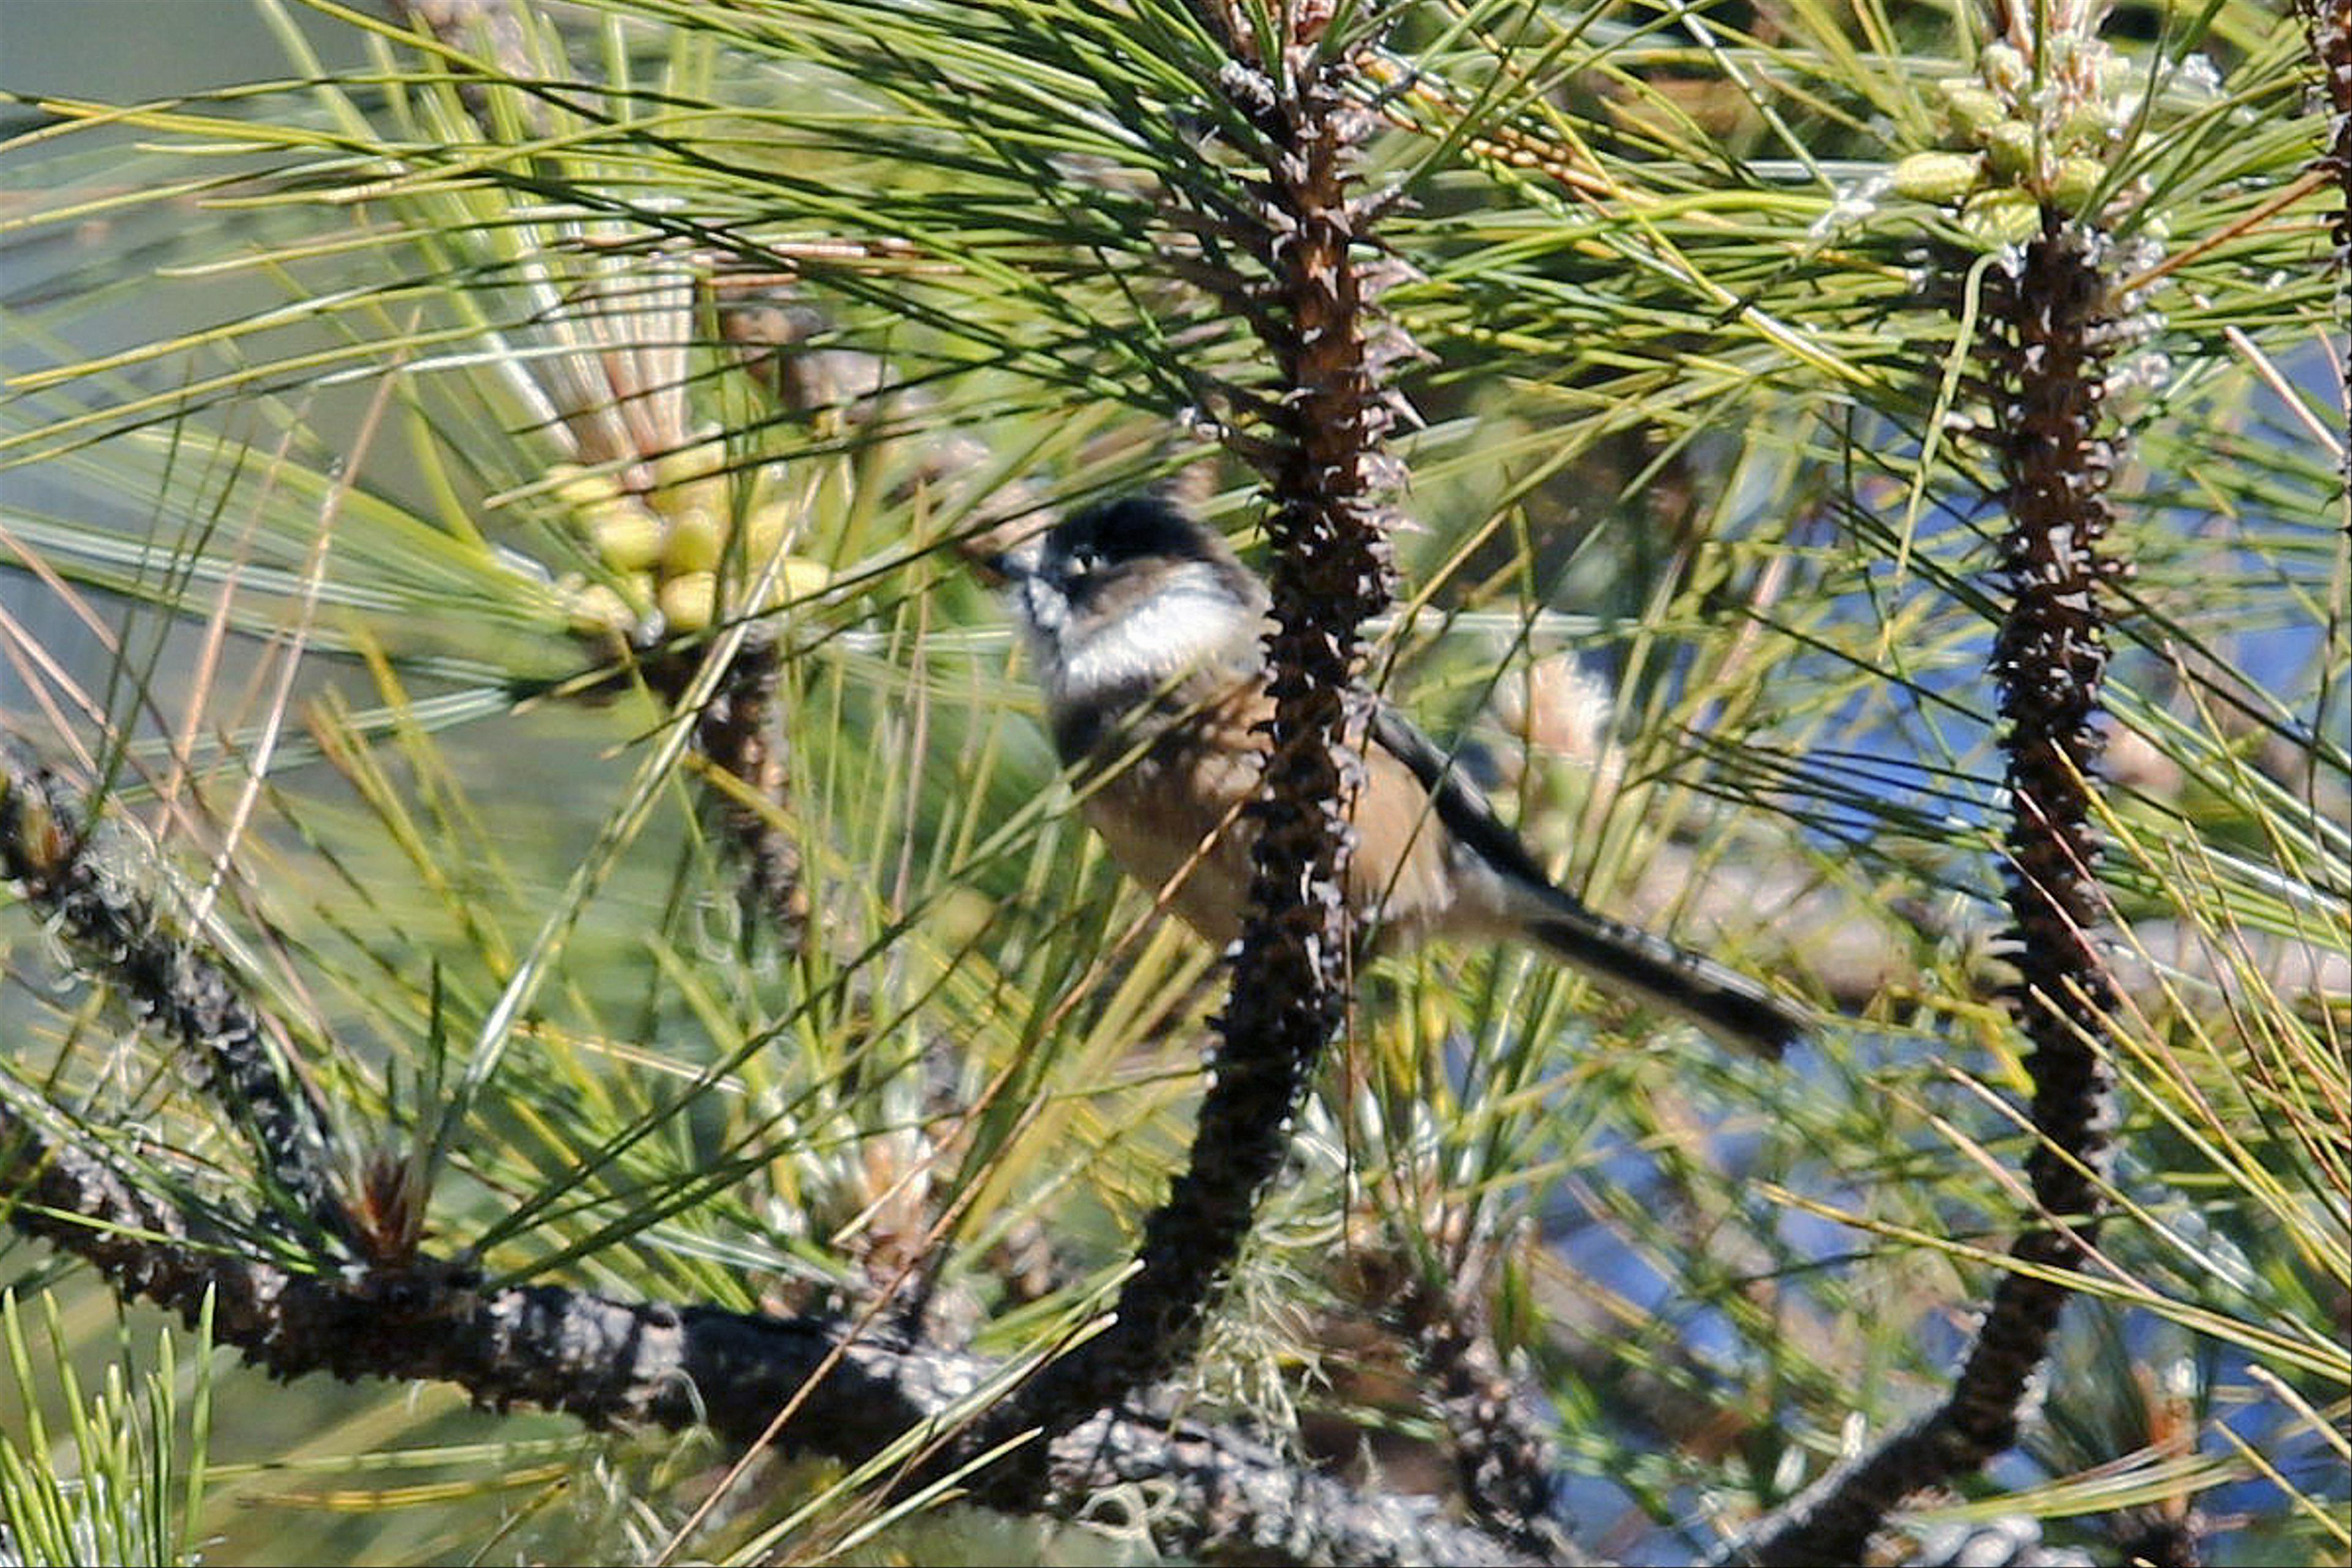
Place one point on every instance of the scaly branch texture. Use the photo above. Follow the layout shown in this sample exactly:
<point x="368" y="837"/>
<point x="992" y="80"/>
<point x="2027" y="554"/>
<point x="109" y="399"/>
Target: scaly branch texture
<point x="2328" y="24"/>
<point x="1327" y="480"/>
<point x="737" y="730"/>
<point x="1504" y="1460"/>
<point x="2050" y="329"/>
<point x="2050" y="661"/>
<point x="49" y="850"/>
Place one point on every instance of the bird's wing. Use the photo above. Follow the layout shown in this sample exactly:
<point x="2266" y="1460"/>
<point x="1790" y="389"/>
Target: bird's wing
<point x="1711" y="995"/>
<point x="1459" y="805"/>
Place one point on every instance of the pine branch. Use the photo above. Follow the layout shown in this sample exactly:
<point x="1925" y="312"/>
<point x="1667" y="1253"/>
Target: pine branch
<point x="60" y="860"/>
<point x="405" y="1313"/>
<point x="1504" y="1458"/>
<point x="2055" y="315"/>
<point x="1327" y="480"/>
<point x="617" y="1363"/>
<point x="2328" y="26"/>
<point x="738" y="730"/>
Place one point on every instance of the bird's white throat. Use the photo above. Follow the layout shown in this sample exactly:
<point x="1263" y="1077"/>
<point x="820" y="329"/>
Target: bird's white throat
<point x="1190" y="618"/>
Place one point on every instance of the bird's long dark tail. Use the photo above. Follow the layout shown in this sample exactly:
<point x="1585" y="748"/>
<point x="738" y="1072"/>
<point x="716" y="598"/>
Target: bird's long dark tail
<point x="1720" y="999"/>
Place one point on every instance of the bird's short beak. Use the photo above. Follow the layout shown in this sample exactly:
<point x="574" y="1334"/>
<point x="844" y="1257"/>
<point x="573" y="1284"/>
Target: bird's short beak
<point x="997" y="563"/>
<point x="1018" y="565"/>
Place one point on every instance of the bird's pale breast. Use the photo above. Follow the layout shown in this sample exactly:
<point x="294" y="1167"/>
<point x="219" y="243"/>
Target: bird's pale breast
<point x="1187" y="788"/>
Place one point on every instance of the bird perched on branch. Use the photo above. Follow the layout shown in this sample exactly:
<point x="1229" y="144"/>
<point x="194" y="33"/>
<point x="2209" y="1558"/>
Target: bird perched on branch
<point x="1148" y="639"/>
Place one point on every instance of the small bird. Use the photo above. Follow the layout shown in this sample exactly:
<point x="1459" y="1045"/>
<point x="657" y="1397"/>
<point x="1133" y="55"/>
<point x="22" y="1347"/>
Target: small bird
<point x="1148" y="634"/>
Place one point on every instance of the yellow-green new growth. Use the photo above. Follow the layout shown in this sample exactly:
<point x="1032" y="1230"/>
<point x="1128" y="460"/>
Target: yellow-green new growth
<point x="2033" y="128"/>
